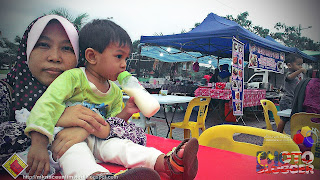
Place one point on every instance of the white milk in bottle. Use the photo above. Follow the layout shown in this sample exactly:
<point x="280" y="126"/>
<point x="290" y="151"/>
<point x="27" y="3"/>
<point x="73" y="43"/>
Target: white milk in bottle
<point x="147" y="104"/>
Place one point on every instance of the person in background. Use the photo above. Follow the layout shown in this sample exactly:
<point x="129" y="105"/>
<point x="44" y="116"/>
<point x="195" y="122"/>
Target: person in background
<point x="214" y="76"/>
<point x="224" y="74"/>
<point x="311" y="102"/>
<point x="291" y="80"/>
<point x="307" y="96"/>
<point x="208" y="77"/>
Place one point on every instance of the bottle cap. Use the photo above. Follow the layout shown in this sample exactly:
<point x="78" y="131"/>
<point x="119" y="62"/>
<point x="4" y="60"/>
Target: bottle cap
<point x="123" y="75"/>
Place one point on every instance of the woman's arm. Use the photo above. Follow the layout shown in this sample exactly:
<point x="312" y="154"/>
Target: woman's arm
<point x="67" y="138"/>
<point x="74" y="118"/>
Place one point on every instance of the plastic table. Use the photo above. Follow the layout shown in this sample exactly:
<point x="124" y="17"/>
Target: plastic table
<point x="166" y="100"/>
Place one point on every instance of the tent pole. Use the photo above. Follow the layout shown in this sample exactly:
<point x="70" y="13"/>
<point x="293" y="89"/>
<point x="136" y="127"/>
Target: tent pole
<point x="139" y="59"/>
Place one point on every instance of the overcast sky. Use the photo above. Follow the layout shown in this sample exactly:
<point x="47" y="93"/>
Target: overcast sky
<point x="147" y="17"/>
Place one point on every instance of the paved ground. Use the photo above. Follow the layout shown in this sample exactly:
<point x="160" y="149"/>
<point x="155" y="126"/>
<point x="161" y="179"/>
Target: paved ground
<point x="212" y="120"/>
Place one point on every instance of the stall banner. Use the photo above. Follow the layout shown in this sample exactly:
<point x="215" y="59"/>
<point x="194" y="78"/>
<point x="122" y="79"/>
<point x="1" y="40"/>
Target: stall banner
<point x="237" y="77"/>
<point x="266" y="59"/>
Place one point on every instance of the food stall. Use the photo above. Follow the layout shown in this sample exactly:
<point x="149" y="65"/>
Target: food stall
<point x="215" y="37"/>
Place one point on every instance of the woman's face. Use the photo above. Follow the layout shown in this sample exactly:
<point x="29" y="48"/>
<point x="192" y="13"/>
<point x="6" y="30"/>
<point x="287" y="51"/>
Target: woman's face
<point x="52" y="54"/>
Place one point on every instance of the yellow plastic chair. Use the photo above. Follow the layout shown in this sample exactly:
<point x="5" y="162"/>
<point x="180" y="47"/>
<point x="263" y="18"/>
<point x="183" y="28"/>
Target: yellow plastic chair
<point x="135" y="116"/>
<point x="221" y="137"/>
<point x="269" y="106"/>
<point x="299" y="120"/>
<point x="203" y="104"/>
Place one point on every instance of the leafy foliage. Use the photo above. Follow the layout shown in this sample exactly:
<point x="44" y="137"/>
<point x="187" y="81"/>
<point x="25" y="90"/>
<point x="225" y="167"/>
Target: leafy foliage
<point x="135" y="45"/>
<point x="78" y="21"/>
<point x="289" y="35"/>
<point x="9" y="50"/>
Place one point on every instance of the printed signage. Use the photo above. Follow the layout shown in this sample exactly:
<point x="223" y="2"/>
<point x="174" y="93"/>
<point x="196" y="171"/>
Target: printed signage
<point x="237" y="77"/>
<point x="266" y="59"/>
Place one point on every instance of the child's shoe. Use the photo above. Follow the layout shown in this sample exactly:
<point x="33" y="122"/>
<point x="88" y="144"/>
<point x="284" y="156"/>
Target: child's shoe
<point x="184" y="168"/>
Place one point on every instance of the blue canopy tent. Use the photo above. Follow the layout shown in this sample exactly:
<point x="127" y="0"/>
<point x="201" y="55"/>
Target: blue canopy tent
<point x="173" y="55"/>
<point x="214" y="37"/>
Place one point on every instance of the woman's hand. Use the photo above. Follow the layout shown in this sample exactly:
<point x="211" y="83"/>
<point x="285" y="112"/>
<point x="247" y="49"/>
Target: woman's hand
<point x="38" y="156"/>
<point x="80" y="116"/>
<point x="67" y="138"/>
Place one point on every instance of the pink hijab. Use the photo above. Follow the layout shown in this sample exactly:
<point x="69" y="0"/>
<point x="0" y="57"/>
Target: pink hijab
<point x="26" y="88"/>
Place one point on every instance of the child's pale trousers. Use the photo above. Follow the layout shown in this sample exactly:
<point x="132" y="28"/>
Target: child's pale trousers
<point x="79" y="160"/>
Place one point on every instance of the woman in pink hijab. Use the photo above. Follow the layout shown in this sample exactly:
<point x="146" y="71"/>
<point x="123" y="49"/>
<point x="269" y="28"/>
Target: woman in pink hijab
<point x="48" y="47"/>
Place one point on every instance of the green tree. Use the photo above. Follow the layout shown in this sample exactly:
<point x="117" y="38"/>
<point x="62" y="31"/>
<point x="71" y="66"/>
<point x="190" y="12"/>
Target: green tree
<point x="135" y="45"/>
<point x="195" y="25"/>
<point x="289" y="35"/>
<point x="9" y="50"/>
<point x="78" y="21"/>
<point x="242" y="20"/>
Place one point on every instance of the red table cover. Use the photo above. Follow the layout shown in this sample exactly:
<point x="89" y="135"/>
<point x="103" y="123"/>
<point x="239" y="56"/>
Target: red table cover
<point x="213" y="164"/>
<point x="252" y="97"/>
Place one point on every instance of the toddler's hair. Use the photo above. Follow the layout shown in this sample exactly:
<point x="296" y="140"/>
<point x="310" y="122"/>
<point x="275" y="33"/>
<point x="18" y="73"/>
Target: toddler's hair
<point x="292" y="58"/>
<point x="100" y="33"/>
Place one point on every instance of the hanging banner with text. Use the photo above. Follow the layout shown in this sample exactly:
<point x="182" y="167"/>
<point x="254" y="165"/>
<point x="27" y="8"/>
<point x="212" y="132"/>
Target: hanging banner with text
<point x="237" y="77"/>
<point x="266" y="59"/>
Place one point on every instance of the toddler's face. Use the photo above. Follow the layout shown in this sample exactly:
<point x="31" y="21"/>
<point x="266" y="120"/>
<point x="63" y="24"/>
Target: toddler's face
<point x="296" y="65"/>
<point x="112" y="61"/>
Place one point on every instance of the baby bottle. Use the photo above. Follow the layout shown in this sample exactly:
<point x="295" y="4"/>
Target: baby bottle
<point x="147" y="104"/>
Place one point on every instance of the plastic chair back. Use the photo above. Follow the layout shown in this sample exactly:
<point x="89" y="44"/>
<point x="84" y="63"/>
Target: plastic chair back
<point x="269" y="106"/>
<point x="203" y="103"/>
<point x="190" y="126"/>
<point x="221" y="137"/>
<point x="302" y="119"/>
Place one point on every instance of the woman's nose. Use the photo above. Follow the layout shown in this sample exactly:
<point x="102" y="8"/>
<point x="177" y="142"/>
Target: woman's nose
<point x="55" y="56"/>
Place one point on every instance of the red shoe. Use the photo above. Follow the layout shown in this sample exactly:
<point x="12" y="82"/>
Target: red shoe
<point x="187" y="166"/>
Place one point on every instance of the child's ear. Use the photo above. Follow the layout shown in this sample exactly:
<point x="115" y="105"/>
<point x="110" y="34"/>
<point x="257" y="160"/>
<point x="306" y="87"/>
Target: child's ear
<point x="91" y="56"/>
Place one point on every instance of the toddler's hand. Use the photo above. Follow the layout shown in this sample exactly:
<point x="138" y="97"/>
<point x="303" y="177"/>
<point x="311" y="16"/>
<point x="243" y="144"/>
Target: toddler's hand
<point x="131" y="107"/>
<point x="303" y="70"/>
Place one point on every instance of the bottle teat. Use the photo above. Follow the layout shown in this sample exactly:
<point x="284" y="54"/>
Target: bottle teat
<point x="122" y="75"/>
